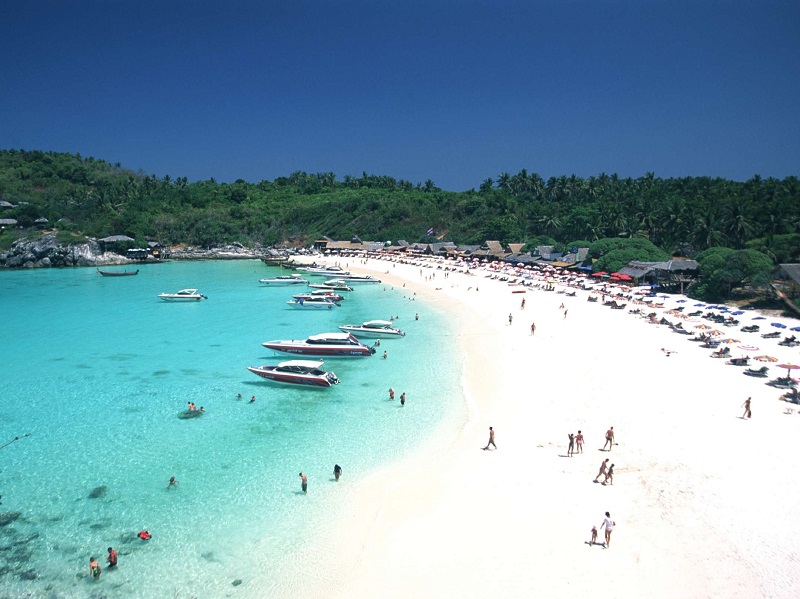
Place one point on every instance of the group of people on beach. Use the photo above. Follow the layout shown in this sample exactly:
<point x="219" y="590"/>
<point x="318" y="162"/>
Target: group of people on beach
<point x="573" y="441"/>
<point x="609" y="525"/>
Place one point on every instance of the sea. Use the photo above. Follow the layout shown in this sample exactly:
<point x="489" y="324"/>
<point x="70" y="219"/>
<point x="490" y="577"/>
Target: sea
<point x="97" y="373"/>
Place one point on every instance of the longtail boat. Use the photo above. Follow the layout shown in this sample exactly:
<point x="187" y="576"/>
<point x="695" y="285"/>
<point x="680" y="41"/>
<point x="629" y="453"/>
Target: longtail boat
<point x="118" y="273"/>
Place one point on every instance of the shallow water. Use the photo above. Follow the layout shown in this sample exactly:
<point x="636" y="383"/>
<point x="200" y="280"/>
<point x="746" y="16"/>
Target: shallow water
<point x="97" y="370"/>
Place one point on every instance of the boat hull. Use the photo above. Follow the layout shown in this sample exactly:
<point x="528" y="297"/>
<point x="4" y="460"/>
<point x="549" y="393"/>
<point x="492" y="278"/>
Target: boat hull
<point x="274" y="283"/>
<point x="294" y="379"/>
<point x="372" y="333"/>
<point x="308" y="305"/>
<point x="125" y="273"/>
<point x="319" y="351"/>
<point x="181" y="299"/>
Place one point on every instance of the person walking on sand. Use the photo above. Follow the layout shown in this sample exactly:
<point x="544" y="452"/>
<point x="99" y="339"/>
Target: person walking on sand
<point x="491" y="439"/>
<point x="303" y="482"/>
<point x="571" y="448"/>
<point x="565" y="313"/>
<point x="609" y="475"/>
<point x="746" y="406"/>
<point x="533" y="328"/>
<point x="522" y="306"/>
<point x="510" y="318"/>
<point x="609" y="439"/>
<point x="603" y="469"/>
<point x="579" y="441"/>
<point x="594" y="536"/>
<point x="609" y="525"/>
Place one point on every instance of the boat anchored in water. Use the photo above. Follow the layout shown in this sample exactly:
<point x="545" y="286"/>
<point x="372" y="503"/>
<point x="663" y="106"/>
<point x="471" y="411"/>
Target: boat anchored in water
<point x="319" y="303"/>
<point x="373" y="329"/>
<point x="284" y="280"/>
<point x="320" y="293"/>
<point x="297" y="372"/>
<point x="323" y="271"/>
<point x="118" y="273"/>
<point x="333" y="285"/>
<point x="354" y="278"/>
<point x="330" y="345"/>
<point x="184" y="295"/>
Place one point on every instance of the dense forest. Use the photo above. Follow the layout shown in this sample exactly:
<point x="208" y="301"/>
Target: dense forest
<point x="681" y="216"/>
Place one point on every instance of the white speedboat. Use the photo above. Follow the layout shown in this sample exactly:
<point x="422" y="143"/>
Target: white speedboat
<point x="297" y="372"/>
<point x="354" y="278"/>
<point x="318" y="303"/>
<point x="284" y="280"/>
<point x="329" y="345"/>
<point x="324" y="271"/>
<point x="184" y="295"/>
<point x="373" y="329"/>
<point x="333" y="285"/>
<point x="326" y="294"/>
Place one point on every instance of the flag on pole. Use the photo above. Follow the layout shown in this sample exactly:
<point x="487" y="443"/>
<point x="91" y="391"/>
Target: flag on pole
<point x="430" y="231"/>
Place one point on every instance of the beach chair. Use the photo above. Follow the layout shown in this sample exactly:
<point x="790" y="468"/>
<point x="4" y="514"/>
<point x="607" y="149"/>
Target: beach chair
<point x="759" y="373"/>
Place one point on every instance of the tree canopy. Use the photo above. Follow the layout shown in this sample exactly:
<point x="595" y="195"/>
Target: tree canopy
<point x="679" y="215"/>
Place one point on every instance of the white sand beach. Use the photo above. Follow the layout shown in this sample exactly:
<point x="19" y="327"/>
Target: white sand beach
<point x="704" y="501"/>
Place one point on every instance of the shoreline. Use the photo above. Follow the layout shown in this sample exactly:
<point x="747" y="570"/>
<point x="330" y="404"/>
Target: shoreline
<point x="513" y="522"/>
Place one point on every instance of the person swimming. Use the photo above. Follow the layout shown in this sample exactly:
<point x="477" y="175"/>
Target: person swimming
<point x="144" y="535"/>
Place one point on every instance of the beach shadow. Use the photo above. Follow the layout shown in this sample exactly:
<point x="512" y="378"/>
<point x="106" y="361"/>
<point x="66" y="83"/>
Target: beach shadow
<point x="561" y="455"/>
<point x="590" y="543"/>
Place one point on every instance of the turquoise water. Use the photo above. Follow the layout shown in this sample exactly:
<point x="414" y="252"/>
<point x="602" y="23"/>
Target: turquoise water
<point x="97" y="369"/>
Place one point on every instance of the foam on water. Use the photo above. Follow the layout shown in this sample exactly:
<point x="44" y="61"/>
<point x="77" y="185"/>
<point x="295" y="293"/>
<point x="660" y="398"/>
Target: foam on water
<point x="97" y="370"/>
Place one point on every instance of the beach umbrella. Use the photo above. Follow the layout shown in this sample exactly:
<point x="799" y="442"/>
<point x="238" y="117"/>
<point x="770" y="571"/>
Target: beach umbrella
<point x="795" y="329"/>
<point x="715" y="333"/>
<point x="704" y="327"/>
<point x="730" y="341"/>
<point x="700" y="305"/>
<point x="681" y="301"/>
<point x="760" y="318"/>
<point x="779" y="325"/>
<point x="748" y="347"/>
<point x="738" y="312"/>
<point x="789" y="368"/>
<point x="765" y="359"/>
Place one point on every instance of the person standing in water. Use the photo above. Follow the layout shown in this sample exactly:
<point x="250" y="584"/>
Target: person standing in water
<point x="94" y="568"/>
<point x="112" y="557"/>
<point x="337" y="472"/>
<point x="403" y="398"/>
<point x="303" y="482"/>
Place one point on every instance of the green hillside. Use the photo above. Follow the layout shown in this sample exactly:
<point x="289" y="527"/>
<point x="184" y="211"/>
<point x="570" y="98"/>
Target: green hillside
<point x="685" y="215"/>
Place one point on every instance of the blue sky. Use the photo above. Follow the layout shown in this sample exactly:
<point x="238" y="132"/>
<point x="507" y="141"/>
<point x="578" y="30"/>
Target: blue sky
<point x="454" y="91"/>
